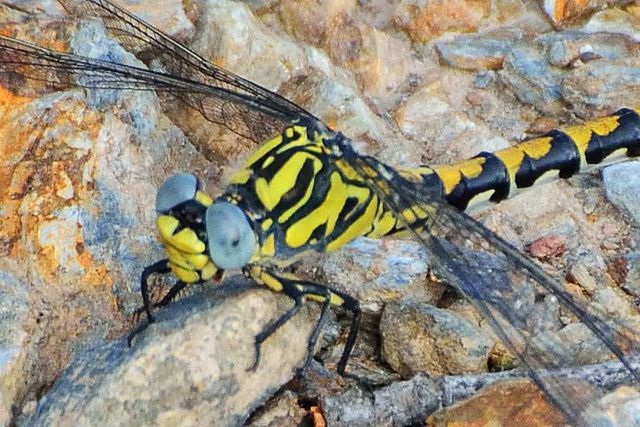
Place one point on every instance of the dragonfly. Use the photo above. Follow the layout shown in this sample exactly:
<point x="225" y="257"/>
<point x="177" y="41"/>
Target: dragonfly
<point x="307" y="189"/>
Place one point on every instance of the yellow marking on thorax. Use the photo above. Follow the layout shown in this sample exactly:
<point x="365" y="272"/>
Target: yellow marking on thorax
<point x="270" y="192"/>
<point x="269" y="246"/>
<point x="244" y="173"/>
<point x="266" y="224"/>
<point x="383" y="225"/>
<point x="301" y="141"/>
<point x="317" y="165"/>
<point x="358" y="227"/>
<point x="299" y="233"/>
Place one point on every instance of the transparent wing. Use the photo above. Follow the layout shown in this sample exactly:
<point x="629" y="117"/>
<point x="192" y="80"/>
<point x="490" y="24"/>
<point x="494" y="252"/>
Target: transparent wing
<point x="239" y="111"/>
<point x="501" y="282"/>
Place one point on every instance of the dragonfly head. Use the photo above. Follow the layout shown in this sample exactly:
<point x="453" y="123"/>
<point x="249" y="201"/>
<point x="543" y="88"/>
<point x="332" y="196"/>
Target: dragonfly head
<point x="231" y="240"/>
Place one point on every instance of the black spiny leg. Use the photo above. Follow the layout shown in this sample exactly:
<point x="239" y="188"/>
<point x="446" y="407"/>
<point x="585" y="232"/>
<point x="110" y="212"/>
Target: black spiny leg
<point x="353" y="306"/>
<point x="160" y="267"/>
<point x="298" y="290"/>
<point x="319" y="291"/>
<point x="273" y="327"/>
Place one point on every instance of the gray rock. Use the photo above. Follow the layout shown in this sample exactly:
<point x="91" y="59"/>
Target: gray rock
<point x="620" y="408"/>
<point x="565" y="48"/>
<point x="14" y="343"/>
<point x="398" y="404"/>
<point x="621" y="183"/>
<point x="531" y="78"/>
<point x="603" y="86"/>
<point x="377" y="271"/>
<point x="478" y="51"/>
<point x="190" y="368"/>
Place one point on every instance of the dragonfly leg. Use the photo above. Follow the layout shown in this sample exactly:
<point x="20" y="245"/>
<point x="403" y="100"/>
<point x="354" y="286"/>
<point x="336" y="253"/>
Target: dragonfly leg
<point x="160" y="267"/>
<point x="299" y="290"/>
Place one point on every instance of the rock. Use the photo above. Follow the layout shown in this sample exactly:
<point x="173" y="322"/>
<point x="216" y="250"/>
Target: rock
<point x="620" y="408"/>
<point x="603" y="87"/>
<point x="15" y="344"/>
<point x="191" y="367"/>
<point x="284" y="411"/>
<point x="548" y="246"/>
<point x="568" y="48"/>
<point x="421" y="338"/>
<point x="423" y="20"/>
<point x="528" y="74"/>
<point x="478" y="51"/>
<point x="621" y="183"/>
<point x="561" y="10"/>
<point x="613" y="21"/>
<point x="377" y="271"/>
<point x="402" y="403"/>
<point x="626" y="272"/>
<point x="501" y="404"/>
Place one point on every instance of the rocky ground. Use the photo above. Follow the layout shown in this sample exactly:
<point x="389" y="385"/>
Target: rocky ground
<point x="411" y="82"/>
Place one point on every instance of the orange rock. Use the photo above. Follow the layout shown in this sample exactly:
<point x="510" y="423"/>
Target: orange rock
<point x="512" y="403"/>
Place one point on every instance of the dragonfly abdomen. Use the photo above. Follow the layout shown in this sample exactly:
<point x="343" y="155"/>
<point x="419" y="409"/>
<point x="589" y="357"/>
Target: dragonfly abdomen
<point x="557" y="154"/>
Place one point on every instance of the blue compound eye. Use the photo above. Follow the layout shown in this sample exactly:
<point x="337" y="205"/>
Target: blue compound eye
<point x="231" y="239"/>
<point x="174" y="190"/>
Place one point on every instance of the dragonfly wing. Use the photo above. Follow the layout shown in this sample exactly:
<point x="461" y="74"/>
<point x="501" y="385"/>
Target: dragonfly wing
<point x="147" y="42"/>
<point x="237" y="111"/>
<point x="499" y="280"/>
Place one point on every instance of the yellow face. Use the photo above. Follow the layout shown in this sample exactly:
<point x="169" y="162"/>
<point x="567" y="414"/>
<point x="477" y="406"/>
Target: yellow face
<point x="187" y="254"/>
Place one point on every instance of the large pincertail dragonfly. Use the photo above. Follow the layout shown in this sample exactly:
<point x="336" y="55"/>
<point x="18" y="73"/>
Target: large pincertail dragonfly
<point x="307" y="189"/>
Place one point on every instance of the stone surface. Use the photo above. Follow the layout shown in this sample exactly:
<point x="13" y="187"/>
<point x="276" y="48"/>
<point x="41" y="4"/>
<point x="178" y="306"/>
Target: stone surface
<point x="402" y="403"/>
<point x="561" y="10"/>
<point x="621" y="184"/>
<point x="620" y="408"/>
<point x="283" y="411"/>
<point x="421" y="338"/>
<point x="502" y="404"/>
<point x="401" y="272"/>
<point x="16" y="355"/>
<point x="192" y="367"/>
<point x="478" y="51"/>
